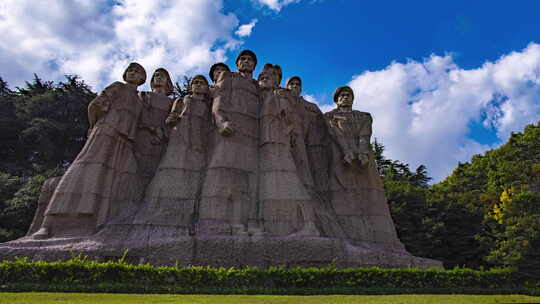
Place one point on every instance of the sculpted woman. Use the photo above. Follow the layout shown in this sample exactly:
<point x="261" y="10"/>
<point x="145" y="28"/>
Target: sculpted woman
<point x="170" y="200"/>
<point x="152" y="132"/>
<point x="105" y="170"/>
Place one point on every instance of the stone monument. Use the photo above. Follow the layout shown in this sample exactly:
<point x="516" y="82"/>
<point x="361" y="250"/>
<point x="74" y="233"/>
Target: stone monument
<point x="241" y="172"/>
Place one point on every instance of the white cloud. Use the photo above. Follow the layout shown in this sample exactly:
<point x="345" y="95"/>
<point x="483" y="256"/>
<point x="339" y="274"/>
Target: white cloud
<point x="324" y="107"/>
<point x="245" y="29"/>
<point x="422" y="110"/>
<point x="92" y="39"/>
<point x="310" y="98"/>
<point x="276" y="5"/>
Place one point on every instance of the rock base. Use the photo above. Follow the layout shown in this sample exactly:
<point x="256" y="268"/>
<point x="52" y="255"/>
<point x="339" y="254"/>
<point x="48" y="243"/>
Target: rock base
<point x="217" y="251"/>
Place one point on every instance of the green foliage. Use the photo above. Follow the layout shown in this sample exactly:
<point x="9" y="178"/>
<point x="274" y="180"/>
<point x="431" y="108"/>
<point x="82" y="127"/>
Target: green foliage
<point x="487" y="212"/>
<point x="419" y="225"/>
<point x="9" y="184"/>
<point x="144" y="278"/>
<point x="48" y="124"/>
<point x="498" y="194"/>
<point x="18" y="212"/>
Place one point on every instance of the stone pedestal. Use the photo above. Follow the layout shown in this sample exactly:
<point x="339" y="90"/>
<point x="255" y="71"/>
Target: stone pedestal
<point x="217" y="251"/>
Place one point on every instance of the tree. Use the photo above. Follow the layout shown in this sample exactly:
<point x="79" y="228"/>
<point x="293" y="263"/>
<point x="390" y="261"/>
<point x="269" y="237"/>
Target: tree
<point x="53" y="123"/>
<point x="416" y="222"/>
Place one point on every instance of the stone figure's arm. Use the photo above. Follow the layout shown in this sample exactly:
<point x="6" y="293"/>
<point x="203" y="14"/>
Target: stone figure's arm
<point x="286" y="112"/>
<point x="364" y="137"/>
<point x="314" y="125"/>
<point x="212" y="91"/>
<point x="102" y="103"/>
<point x="338" y="136"/>
<point x="175" y="112"/>
<point x="220" y="117"/>
<point x="365" y="133"/>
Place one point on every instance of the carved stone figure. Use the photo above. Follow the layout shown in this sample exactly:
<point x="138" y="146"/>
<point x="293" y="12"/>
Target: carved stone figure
<point x="284" y="201"/>
<point x="150" y="141"/>
<point x="105" y="170"/>
<point x="170" y="200"/>
<point x="239" y="173"/>
<point x="356" y="190"/>
<point x="230" y="187"/>
<point x="313" y="138"/>
<point x="308" y="135"/>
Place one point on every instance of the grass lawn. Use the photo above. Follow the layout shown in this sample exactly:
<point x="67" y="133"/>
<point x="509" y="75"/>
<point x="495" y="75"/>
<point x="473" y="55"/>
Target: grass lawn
<point x="84" y="298"/>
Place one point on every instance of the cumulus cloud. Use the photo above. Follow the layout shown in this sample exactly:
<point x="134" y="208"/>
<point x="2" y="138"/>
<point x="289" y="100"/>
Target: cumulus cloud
<point x="96" y="40"/>
<point x="245" y="29"/>
<point x="276" y="5"/>
<point x="323" y="106"/>
<point x="423" y="110"/>
<point x="310" y="98"/>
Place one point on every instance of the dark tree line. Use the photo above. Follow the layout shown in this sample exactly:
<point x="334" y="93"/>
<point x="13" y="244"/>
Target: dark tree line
<point x="486" y="213"/>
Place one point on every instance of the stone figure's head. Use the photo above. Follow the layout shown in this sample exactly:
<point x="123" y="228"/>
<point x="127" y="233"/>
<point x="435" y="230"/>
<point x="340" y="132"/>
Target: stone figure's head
<point x="344" y="96"/>
<point x="134" y="74"/>
<point x="246" y="61"/>
<point x="216" y="69"/>
<point x="270" y="77"/>
<point x="198" y="85"/>
<point x="294" y="84"/>
<point x="266" y="80"/>
<point x="276" y="70"/>
<point x="161" y="79"/>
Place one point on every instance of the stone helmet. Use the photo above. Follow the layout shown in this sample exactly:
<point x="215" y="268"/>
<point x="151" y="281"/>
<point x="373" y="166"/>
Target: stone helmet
<point x="169" y="89"/>
<point x="291" y="78"/>
<point x="137" y="66"/>
<point x="247" y="52"/>
<point x="197" y="77"/>
<point x="214" y="67"/>
<point x="343" y="88"/>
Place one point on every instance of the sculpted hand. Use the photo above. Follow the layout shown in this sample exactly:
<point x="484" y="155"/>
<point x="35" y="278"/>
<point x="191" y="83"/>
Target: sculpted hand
<point x="349" y="157"/>
<point x="293" y="140"/>
<point x="171" y="120"/>
<point x="364" y="159"/>
<point x="226" y="129"/>
<point x="159" y="136"/>
<point x="104" y="106"/>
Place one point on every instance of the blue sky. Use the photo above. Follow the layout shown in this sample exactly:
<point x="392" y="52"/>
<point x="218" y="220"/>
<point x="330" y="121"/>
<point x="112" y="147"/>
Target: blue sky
<point x="443" y="80"/>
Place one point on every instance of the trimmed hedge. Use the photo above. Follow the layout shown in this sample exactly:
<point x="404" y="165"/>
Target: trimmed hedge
<point x="79" y="274"/>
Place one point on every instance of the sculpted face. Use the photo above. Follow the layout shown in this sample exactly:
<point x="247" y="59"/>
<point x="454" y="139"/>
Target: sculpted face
<point x="134" y="76"/>
<point x="199" y="86"/>
<point x="345" y="99"/>
<point x="245" y="63"/>
<point x="266" y="81"/>
<point x="217" y="71"/>
<point x="295" y="86"/>
<point x="159" y="79"/>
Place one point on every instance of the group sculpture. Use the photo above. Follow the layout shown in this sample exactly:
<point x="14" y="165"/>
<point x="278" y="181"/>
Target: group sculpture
<point x="242" y="159"/>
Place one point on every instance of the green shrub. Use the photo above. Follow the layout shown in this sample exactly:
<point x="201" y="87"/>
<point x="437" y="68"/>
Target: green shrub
<point x="79" y="274"/>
